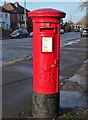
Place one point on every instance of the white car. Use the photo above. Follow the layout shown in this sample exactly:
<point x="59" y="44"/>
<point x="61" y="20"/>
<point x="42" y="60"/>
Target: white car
<point x="61" y="31"/>
<point x="19" y="33"/>
<point x="31" y="34"/>
<point x="84" y="32"/>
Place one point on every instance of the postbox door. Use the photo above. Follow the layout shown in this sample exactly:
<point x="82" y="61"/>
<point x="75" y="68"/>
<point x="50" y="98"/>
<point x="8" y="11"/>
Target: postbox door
<point x="46" y="60"/>
<point x="50" y="64"/>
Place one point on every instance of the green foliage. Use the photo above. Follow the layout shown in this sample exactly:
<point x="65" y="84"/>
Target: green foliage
<point x="67" y="26"/>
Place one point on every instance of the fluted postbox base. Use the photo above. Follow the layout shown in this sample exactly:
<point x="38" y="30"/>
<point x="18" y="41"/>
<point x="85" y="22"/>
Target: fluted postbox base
<point x="45" y="106"/>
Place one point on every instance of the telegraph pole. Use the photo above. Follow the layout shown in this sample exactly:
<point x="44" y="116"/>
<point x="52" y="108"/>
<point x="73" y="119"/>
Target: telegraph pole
<point x="25" y="18"/>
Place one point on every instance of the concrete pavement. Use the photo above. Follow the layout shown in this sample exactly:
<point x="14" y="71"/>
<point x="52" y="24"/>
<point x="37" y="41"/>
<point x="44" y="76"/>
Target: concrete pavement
<point x="74" y="95"/>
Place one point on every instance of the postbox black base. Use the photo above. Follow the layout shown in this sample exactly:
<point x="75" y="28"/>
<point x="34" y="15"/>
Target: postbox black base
<point x="45" y="106"/>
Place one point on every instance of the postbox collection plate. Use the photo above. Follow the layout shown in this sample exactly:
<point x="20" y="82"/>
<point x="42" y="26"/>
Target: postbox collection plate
<point x="47" y="44"/>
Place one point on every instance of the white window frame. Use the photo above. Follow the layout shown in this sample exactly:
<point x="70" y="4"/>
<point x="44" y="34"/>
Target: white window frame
<point x="22" y="16"/>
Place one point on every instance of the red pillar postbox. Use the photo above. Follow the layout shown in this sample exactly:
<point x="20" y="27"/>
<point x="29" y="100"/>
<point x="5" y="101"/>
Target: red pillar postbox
<point x="46" y="59"/>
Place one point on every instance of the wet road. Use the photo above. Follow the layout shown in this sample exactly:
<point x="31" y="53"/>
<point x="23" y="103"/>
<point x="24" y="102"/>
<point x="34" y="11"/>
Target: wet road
<point x="14" y="49"/>
<point x="17" y="71"/>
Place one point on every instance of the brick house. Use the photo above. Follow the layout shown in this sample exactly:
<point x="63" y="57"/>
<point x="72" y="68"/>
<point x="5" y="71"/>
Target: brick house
<point x="17" y="15"/>
<point x="4" y="18"/>
<point x="77" y="26"/>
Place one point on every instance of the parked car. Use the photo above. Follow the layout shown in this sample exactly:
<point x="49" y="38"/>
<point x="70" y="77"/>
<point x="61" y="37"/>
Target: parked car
<point x="31" y="34"/>
<point x="84" y="32"/>
<point x="61" y="31"/>
<point x="77" y="30"/>
<point x="19" y="33"/>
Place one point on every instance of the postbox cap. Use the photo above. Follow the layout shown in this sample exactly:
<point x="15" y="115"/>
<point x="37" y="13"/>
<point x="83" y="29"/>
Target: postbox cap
<point x="47" y="12"/>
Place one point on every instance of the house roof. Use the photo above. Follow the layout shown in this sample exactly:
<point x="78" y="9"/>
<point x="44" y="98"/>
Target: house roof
<point x="3" y="10"/>
<point x="14" y="8"/>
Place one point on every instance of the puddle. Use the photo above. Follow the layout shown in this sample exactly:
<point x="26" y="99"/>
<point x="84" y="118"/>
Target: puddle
<point x="72" y="99"/>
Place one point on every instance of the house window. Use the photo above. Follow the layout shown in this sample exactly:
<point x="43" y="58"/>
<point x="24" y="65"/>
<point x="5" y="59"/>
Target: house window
<point x="22" y="17"/>
<point x="6" y="16"/>
<point x="18" y="17"/>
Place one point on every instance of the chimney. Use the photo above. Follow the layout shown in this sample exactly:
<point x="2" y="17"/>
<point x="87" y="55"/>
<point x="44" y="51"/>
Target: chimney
<point x="16" y="4"/>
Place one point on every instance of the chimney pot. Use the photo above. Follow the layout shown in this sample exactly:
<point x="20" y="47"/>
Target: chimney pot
<point x="5" y="2"/>
<point x="16" y="4"/>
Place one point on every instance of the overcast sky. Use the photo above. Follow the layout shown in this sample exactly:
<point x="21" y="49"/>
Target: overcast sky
<point x="71" y="8"/>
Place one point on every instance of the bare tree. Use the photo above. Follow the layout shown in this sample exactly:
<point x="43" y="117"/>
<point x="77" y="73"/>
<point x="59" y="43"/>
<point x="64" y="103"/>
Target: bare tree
<point x="83" y="5"/>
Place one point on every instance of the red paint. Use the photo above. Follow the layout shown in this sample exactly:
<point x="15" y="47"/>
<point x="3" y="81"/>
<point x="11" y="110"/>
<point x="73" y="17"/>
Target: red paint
<point x="46" y="23"/>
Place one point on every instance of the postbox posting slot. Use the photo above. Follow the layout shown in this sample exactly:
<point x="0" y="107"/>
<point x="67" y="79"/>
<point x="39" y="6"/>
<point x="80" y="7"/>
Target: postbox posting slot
<point x="48" y="30"/>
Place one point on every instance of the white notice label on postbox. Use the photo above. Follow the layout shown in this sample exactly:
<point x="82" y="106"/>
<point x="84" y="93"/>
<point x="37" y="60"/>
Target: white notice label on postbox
<point x="47" y="44"/>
